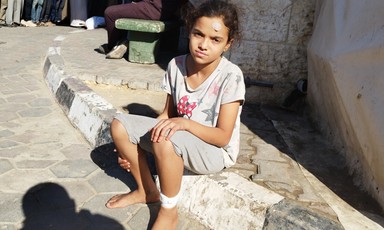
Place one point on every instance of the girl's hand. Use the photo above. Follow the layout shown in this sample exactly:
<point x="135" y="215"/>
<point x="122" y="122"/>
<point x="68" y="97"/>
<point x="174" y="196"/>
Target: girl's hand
<point x="123" y="162"/>
<point x="165" y="128"/>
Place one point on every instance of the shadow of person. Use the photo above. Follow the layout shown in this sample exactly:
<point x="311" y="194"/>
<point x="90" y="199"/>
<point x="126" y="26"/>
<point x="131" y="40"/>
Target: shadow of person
<point x="141" y="109"/>
<point x="48" y="206"/>
<point x="106" y="158"/>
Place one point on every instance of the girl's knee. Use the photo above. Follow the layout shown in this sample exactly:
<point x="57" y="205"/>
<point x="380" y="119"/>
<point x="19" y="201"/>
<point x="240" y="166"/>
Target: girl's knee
<point x="116" y="126"/>
<point x="163" y="149"/>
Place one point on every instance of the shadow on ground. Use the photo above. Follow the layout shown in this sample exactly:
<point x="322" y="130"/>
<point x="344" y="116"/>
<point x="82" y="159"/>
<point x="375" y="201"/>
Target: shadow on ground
<point x="295" y="135"/>
<point x="48" y="206"/>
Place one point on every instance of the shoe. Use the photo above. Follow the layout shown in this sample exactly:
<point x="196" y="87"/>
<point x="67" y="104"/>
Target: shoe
<point x="118" y="51"/>
<point x="23" y="22"/>
<point x="41" y="24"/>
<point x="48" y="23"/>
<point x="13" y="24"/>
<point x="30" y="24"/>
<point x="77" y="23"/>
<point x="103" y="49"/>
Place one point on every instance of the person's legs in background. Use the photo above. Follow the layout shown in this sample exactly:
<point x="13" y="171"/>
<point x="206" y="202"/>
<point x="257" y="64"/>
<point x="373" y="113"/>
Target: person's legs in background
<point x="18" y="11"/>
<point x="79" y="13"/>
<point x="59" y="10"/>
<point x="52" y="10"/>
<point x="34" y="11"/>
<point x="3" y="9"/>
<point x="117" y="39"/>
<point x="39" y="9"/>
<point x="27" y="10"/>
<point x="14" y="12"/>
<point x="43" y="17"/>
<point x="9" y="12"/>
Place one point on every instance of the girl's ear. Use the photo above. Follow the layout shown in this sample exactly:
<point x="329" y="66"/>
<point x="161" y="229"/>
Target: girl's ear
<point x="228" y="45"/>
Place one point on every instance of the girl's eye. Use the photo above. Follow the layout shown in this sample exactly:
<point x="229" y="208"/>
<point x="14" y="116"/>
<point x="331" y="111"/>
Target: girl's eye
<point x="197" y="34"/>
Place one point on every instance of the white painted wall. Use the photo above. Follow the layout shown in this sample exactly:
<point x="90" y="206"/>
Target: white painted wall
<point x="346" y="84"/>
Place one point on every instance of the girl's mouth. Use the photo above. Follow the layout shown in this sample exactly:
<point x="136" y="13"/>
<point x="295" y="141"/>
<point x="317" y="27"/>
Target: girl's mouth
<point x="200" y="54"/>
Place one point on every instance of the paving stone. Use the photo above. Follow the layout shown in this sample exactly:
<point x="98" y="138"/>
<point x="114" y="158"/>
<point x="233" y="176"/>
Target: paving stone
<point x="25" y="180"/>
<point x="40" y="102"/>
<point x="38" y="152"/>
<point x="34" y="112"/>
<point x="34" y="164"/>
<point x="11" y="91"/>
<point x="77" y="151"/>
<point x="8" y="227"/>
<point x="26" y="137"/>
<point x="8" y="116"/>
<point x="79" y="191"/>
<point x="5" y="166"/>
<point x="9" y="124"/>
<point x="11" y="152"/>
<point x="32" y="88"/>
<point x="8" y="144"/>
<point x="113" y="180"/>
<point x="20" y="98"/>
<point x="12" y="107"/>
<point x="73" y="168"/>
<point x="6" y="133"/>
<point x="11" y="207"/>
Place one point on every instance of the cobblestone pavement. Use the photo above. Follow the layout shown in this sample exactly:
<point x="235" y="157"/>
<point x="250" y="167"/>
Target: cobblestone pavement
<point x="51" y="176"/>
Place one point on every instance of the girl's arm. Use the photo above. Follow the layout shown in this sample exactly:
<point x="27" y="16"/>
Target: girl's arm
<point x="169" y="110"/>
<point x="219" y="135"/>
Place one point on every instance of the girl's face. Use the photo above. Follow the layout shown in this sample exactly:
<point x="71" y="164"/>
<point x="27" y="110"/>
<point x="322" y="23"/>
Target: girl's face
<point x="208" y="40"/>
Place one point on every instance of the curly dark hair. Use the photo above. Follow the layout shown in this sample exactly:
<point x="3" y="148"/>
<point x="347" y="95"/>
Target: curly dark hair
<point x="215" y="8"/>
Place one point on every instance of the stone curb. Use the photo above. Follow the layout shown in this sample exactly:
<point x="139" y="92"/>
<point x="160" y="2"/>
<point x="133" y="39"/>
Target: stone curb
<point x="224" y="200"/>
<point x="86" y="110"/>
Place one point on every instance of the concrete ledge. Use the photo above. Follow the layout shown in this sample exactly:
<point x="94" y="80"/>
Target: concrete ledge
<point x="86" y="110"/>
<point x="227" y="200"/>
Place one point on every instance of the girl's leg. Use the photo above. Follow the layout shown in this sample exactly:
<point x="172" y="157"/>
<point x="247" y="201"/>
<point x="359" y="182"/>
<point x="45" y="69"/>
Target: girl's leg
<point x="170" y="169"/>
<point x="146" y="188"/>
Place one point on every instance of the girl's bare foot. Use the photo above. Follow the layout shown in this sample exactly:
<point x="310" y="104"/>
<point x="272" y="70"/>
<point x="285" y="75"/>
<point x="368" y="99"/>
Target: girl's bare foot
<point x="166" y="219"/>
<point x="135" y="197"/>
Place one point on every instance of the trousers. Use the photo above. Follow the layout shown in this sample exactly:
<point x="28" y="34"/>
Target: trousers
<point x="14" y="11"/>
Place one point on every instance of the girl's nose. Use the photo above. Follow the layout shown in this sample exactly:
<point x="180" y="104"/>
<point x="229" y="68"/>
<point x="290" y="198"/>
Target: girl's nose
<point x="203" y="44"/>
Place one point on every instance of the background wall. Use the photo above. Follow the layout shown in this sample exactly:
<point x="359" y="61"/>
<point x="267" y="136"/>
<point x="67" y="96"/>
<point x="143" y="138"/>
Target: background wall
<point x="273" y="50"/>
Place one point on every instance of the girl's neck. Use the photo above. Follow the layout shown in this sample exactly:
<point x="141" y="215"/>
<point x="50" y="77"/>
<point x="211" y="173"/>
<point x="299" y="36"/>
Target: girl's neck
<point x="198" y="73"/>
<point x="201" y="70"/>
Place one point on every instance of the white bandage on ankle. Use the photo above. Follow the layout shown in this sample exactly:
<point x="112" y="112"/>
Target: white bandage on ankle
<point x="167" y="202"/>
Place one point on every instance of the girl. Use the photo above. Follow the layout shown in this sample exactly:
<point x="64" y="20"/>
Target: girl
<point x="199" y="127"/>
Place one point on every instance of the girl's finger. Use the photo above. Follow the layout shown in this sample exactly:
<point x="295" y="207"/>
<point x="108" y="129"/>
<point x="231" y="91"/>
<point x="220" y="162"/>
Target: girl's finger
<point x="170" y="131"/>
<point x="158" y="132"/>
